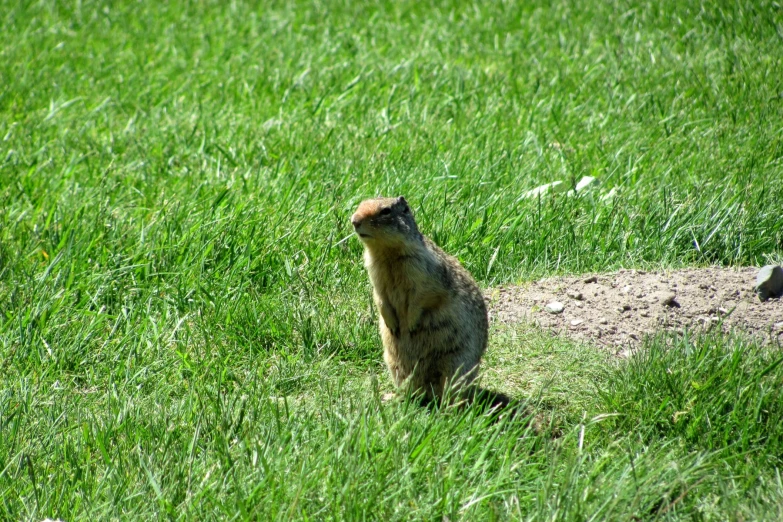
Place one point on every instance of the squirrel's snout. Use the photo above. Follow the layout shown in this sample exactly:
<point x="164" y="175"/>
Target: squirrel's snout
<point x="357" y="220"/>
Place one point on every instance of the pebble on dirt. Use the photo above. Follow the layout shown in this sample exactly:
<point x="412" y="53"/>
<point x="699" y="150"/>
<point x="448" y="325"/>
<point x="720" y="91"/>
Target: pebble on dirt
<point x="554" y="307"/>
<point x="769" y="282"/>
<point x="670" y="299"/>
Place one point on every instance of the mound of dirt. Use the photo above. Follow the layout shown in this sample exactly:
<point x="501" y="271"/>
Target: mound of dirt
<point x="617" y="310"/>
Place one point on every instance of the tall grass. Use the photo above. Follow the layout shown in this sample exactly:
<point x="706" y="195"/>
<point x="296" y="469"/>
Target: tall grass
<point x="185" y="326"/>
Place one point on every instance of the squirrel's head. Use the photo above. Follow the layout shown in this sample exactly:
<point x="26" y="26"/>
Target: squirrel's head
<point x="385" y="222"/>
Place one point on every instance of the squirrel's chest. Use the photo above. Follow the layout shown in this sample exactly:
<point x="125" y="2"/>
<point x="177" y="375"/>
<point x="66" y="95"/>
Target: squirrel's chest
<point x="396" y="282"/>
<point x="392" y="282"/>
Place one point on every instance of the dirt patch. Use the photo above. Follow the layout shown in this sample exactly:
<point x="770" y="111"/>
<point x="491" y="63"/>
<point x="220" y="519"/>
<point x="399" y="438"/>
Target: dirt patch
<point x="617" y="310"/>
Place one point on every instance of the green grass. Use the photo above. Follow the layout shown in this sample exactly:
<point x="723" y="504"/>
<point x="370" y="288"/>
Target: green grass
<point x="186" y="332"/>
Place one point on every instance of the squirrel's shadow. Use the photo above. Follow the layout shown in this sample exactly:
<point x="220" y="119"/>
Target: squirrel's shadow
<point x="497" y="405"/>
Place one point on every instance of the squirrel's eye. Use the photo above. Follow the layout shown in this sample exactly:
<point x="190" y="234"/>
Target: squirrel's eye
<point x="406" y="210"/>
<point x="386" y="211"/>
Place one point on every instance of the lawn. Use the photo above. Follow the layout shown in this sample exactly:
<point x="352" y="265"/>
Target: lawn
<point x="186" y="328"/>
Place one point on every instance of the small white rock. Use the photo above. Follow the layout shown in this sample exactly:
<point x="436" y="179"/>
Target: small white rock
<point x="554" y="307"/>
<point x="769" y="282"/>
<point x="585" y="182"/>
<point x="609" y="195"/>
<point x="555" y="186"/>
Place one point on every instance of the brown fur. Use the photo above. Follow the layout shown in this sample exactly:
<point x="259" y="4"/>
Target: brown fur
<point x="433" y="319"/>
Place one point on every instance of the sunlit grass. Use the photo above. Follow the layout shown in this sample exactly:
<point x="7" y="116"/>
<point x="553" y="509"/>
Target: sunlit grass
<point x="186" y="330"/>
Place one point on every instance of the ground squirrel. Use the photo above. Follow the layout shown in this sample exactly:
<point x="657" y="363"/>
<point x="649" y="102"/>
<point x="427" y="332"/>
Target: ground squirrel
<point x="432" y="315"/>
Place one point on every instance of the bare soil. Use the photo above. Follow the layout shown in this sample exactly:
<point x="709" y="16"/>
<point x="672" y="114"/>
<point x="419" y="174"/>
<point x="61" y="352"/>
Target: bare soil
<point x="618" y="310"/>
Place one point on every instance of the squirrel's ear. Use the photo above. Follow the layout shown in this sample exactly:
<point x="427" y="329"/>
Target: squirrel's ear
<point x="401" y="199"/>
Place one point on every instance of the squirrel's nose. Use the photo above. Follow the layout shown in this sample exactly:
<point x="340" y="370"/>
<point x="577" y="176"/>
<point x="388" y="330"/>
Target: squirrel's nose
<point x="355" y="221"/>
